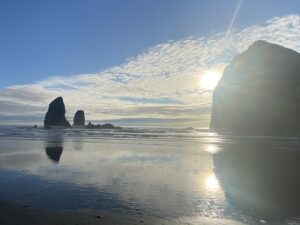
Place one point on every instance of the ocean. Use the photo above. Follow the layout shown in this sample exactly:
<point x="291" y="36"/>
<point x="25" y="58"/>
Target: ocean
<point x="153" y="175"/>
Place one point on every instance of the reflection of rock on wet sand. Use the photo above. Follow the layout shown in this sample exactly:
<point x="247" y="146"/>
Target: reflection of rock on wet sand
<point x="54" y="145"/>
<point x="261" y="178"/>
<point x="54" y="153"/>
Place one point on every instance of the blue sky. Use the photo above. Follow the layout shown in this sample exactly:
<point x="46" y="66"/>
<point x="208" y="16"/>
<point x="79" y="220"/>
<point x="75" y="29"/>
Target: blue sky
<point x="54" y="38"/>
<point x="129" y="60"/>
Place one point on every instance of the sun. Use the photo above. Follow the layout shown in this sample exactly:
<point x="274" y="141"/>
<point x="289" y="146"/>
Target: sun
<point x="210" y="79"/>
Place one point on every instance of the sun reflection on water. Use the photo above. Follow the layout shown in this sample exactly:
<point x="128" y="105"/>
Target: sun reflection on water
<point x="212" y="183"/>
<point x="211" y="148"/>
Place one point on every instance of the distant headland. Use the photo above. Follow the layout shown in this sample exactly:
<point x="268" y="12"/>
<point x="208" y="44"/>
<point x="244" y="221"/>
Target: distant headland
<point x="259" y="92"/>
<point x="55" y="117"/>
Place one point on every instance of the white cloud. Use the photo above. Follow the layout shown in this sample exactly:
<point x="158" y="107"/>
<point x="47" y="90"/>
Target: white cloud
<point x="170" y="72"/>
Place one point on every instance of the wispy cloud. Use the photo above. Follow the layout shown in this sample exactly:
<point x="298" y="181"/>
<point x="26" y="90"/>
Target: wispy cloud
<point x="164" y="82"/>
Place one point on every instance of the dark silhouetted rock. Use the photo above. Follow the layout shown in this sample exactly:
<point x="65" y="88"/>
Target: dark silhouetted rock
<point x="79" y="118"/>
<point x="107" y="126"/>
<point x="259" y="92"/>
<point x="99" y="126"/>
<point x="92" y="126"/>
<point x="54" y="153"/>
<point x="56" y="114"/>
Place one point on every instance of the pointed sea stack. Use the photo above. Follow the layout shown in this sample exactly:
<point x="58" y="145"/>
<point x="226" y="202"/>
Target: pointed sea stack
<point x="259" y="93"/>
<point x="56" y="114"/>
<point x="79" y="118"/>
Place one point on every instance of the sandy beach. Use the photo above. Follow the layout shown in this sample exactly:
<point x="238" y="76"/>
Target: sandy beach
<point x="17" y="214"/>
<point x="146" y="176"/>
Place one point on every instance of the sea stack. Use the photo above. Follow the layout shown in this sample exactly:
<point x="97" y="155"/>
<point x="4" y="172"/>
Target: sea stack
<point x="56" y="114"/>
<point x="259" y="93"/>
<point x="79" y="118"/>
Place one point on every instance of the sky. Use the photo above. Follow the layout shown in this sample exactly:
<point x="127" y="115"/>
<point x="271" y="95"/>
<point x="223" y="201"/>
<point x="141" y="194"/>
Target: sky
<point x="128" y="60"/>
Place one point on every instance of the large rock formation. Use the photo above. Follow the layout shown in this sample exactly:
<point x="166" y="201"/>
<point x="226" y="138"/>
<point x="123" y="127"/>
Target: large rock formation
<point x="79" y="118"/>
<point x="56" y="114"/>
<point x="259" y="92"/>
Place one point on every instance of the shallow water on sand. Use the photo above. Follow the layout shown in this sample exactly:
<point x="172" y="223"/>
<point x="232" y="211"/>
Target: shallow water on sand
<point x="181" y="176"/>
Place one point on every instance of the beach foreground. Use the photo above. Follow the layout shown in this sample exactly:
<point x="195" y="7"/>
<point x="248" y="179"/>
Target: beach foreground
<point x="11" y="214"/>
<point x="146" y="176"/>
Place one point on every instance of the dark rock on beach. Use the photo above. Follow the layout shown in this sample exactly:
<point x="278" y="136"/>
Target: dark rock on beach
<point x="104" y="126"/>
<point x="56" y="114"/>
<point x="259" y="92"/>
<point x="79" y="118"/>
<point x="56" y="117"/>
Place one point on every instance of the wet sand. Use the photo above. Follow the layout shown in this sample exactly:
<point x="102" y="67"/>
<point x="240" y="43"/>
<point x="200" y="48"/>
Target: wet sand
<point x="18" y="214"/>
<point x="152" y="177"/>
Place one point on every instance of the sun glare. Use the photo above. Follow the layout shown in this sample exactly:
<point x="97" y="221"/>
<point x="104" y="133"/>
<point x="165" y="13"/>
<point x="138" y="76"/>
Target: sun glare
<point x="212" y="149"/>
<point x="209" y="80"/>
<point x="212" y="183"/>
